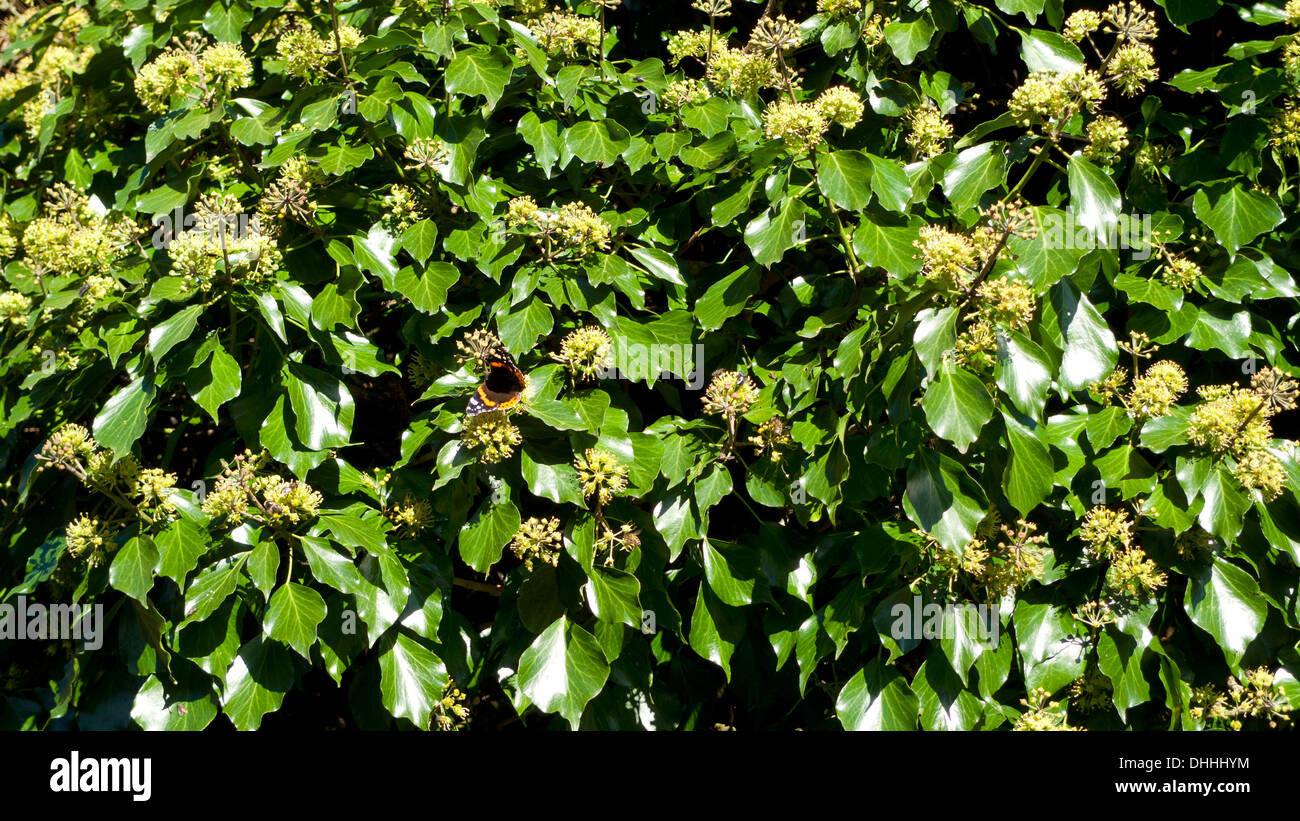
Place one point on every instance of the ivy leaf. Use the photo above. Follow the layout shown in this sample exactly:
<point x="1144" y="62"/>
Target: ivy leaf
<point x="957" y="405"/>
<point x="133" y="567"/>
<point x="563" y="669"/>
<point x="483" y="70"/>
<point x="1237" y="216"/>
<point x="1029" y="472"/>
<point x="123" y="419"/>
<point x="256" y="683"/>
<point x="909" y="39"/>
<point x="293" y="616"/>
<point x="482" y="539"/>
<point x="1089" y="350"/>
<point x="1223" y="600"/>
<point x="1046" y="50"/>
<point x="844" y="177"/>
<point x="412" y="680"/>
<point x="770" y="235"/>
<point x="943" y="500"/>
<point x="877" y="698"/>
<point x="1094" y="195"/>
<point x="976" y="170"/>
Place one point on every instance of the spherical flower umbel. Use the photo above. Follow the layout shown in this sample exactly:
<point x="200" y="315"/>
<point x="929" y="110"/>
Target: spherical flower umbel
<point x="730" y="394"/>
<point x="1007" y="303"/>
<point x="287" y="503"/>
<point x="928" y="131"/>
<point x="948" y="257"/>
<point x="739" y="73"/>
<point x="1133" y="575"/>
<point x="681" y="93"/>
<point x="225" y="67"/>
<point x="1133" y="66"/>
<point x="410" y="516"/>
<point x="841" y="105"/>
<point x="775" y="34"/>
<point x="800" y="125"/>
<point x="1080" y="24"/>
<point x="153" y="489"/>
<point x="584" y="351"/>
<point x="773" y="435"/>
<point x="1105" y="532"/>
<point x="1284" y="127"/>
<point x="1131" y="21"/>
<point x="14" y="308"/>
<point x="600" y="474"/>
<point x="1181" y="272"/>
<point x="1262" y="471"/>
<point x="1107" y="138"/>
<point x="402" y="209"/>
<point x="428" y="154"/>
<point x="538" y="539"/>
<point x="493" y="434"/>
<point x="1154" y="392"/>
<point x="87" y="537"/>
<point x="1278" y="390"/>
<point x="837" y="10"/>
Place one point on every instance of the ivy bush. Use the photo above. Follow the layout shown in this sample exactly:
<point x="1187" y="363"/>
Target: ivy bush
<point x="837" y="324"/>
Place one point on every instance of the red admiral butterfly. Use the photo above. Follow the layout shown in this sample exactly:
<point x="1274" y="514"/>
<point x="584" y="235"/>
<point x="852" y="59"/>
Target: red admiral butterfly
<point x="503" y="387"/>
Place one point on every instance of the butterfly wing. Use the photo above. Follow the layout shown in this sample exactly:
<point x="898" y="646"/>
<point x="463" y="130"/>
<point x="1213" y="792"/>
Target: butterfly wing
<point x="502" y="389"/>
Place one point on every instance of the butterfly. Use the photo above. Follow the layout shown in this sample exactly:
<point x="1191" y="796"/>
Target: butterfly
<point x="502" y="388"/>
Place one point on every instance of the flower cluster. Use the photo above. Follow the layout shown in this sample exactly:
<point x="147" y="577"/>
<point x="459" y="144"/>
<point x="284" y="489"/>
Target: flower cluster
<point x="563" y="32"/>
<point x="492" y="433"/>
<point x="476" y="346"/>
<point x="1155" y="392"/>
<point x="1132" y="575"/>
<point x="837" y="10"/>
<point x="1050" y="96"/>
<point x="1258" y="696"/>
<point x="215" y="243"/>
<point x="600" y="474"/>
<point x="244" y="491"/>
<point x="730" y="394"/>
<point x="573" y="227"/>
<point x="1180" y="272"/>
<point x="741" y="73"/>
<point x="188" y="71"/>
<point x="681" y="93"/>
<point x="1092" y="691"/>
<point x="87" y="538"/>
<point x="73" y="237"/>
<point x="410" y="516"/>
<point x="1042" y="714"/>
<point x="1107" y="139"/>
<point x="1080" y="24"/>
<point x="584" y="352"/>
<point x="402" y="209"/>
<point x="450" y="713"/>
<point x="772" y="436"/>
<point x="801" y="125"/>
<point x="143" y="492"/>
<point x="14" y="308"/>
<point x="928" y="132"/>
<point x="840" y="105"/>
<point x="289" y="196"/>
<point x="428" y="154"/>
<point x="1007" y="303"/>
<point x="538" y="539"/>
<point x="948" y="258"/>
<point x="1106" y="532"/>
<point x="775" y="35"/>
<point x="1132" y="67"/>
<point x="306" y="54"/>
<point x="1000" y="559"/>
<point x="1235" y="422"/>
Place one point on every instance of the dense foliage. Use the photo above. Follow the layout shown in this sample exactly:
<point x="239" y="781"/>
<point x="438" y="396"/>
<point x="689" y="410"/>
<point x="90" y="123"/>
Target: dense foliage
<point x="840" y="321"/>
